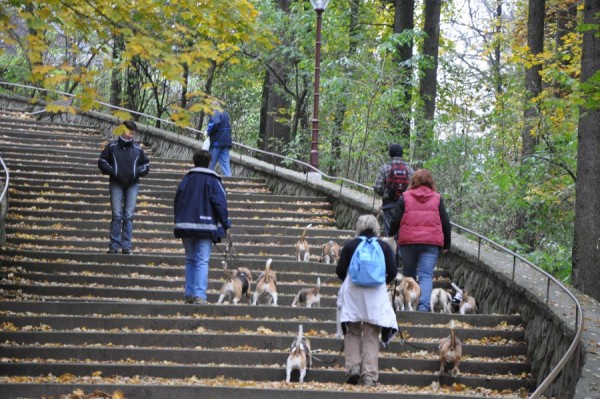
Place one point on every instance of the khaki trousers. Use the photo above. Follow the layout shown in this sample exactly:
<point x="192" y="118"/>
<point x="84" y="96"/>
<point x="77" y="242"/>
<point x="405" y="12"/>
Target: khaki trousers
<point x="361" y="349"/>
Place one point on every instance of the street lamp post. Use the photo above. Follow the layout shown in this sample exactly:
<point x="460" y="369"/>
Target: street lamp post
<point x="319" y="6"/>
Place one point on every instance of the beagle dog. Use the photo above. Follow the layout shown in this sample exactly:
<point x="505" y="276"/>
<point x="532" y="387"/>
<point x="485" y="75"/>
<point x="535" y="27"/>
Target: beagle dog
<point x="300" y="357"/>
<point x="238" y="283"/>
<point x="266" y="286"/>
<point x="307" y="297"/>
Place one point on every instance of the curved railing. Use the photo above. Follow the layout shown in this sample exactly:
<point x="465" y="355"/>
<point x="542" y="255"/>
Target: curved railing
<point x="3" y="197"/>
<point x="545" y="385"/>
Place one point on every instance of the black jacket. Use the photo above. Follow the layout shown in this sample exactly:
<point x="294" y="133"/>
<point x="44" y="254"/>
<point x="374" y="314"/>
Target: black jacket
<point x="124" y="161"/>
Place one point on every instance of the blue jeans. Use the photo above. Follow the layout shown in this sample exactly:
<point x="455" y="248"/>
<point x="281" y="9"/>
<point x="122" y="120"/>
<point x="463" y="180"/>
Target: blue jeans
<point x="197" y="254"/>
<point x="122" y="203"/>
<point x="220" y="154"/>
<point x="418" y="260"/>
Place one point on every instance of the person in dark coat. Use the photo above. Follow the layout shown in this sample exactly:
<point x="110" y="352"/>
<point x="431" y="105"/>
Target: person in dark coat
<point x="201" y="219"/>
<point x="219" y="131"/>
<point x="385" y="188"/>
<point x="124" y="161"/>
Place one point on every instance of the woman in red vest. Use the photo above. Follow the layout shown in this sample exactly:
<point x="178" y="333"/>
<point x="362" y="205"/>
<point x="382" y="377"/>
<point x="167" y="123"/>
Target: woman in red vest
<point x="424" y="230"/>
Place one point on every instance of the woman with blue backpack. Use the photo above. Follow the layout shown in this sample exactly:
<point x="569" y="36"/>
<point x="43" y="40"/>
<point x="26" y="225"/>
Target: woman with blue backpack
<point x="365" y="266"/>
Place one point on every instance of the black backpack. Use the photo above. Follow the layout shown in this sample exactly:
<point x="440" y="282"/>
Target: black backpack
<point x="397" y="180"/>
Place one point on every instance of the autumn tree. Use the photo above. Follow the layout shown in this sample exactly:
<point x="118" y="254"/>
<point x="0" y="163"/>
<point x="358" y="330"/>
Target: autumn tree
<point x="198" y="34"/>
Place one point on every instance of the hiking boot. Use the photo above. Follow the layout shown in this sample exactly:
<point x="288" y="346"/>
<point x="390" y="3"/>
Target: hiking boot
<point x="369" y="382"/>
<point x="188" y="299"/>
<point x="112" y="251"/>
<point x="353" y="375"/>
<point x="126" y="251"/>
<point x="199" y="301"/>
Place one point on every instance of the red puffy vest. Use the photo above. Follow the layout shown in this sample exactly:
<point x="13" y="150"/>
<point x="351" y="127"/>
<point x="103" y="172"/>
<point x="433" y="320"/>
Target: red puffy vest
<point x="421" y="223"/>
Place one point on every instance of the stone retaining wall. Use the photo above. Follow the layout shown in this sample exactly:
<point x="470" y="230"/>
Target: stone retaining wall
<point x="549" y="333"/>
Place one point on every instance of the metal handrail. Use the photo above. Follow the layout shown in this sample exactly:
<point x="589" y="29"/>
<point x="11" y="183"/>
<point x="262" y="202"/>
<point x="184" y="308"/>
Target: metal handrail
<point x="578" y="314"/>
<point x="5" y="189"/>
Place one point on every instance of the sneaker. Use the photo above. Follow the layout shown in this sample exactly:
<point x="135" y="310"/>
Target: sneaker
<point x="126" y="251"/>
<point x="188" y="299"/>
<point x="112" y="251"/>
<point x="353" y="375"/>
<point x="369" y="382"/>
<point x="199" y="301"/>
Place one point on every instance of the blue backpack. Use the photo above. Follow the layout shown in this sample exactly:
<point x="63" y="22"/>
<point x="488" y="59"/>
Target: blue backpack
<point x="367" y="266"/>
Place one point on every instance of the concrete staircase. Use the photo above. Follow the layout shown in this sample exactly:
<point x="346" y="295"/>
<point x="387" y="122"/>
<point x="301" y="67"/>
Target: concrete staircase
<point x="75" y="319"/>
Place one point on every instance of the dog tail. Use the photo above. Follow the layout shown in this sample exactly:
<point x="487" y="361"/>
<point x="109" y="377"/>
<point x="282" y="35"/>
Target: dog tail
<point x="303" y="236"/>
<point x="299" y="339"/>
<point x="267" y="269"/>
<point x="452" y="335"/>
<point x="458" y="290"/>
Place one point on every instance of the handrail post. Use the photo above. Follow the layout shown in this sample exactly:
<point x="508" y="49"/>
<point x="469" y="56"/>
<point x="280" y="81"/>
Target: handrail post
<point x="514" y="268"/>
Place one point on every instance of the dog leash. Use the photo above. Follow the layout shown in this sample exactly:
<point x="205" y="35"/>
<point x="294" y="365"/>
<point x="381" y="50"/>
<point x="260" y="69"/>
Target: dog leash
<point x="336" y="360"/>
<point x="404" y="342"/>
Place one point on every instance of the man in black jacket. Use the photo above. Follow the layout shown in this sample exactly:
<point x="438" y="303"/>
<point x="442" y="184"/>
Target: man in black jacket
<point x="125" y="162"/>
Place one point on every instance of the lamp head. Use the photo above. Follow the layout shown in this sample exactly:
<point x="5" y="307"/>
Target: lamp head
<point x="319" y="5"/>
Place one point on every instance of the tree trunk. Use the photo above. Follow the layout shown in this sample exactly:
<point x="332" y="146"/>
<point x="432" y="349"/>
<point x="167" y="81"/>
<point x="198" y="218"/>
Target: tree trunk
<point x="115" y="73"/>
<point x="404" y="15"/>
<point x="497" y="60"/>
<point x="184" y="85"/>
<point x="533" y="79"/>
<point x="428" y="83"/>
<point x="275" y="129"/>
<point x="586" y="239"/>
<point x="210" y="77"/>
<point x="533" y="87"/>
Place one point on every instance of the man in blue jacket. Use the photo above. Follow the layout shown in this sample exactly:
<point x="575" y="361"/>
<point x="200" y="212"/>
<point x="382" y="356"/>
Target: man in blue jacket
<point x="219" y="131"/>
<point x="125" y="162"/>
<point x="201" y="218"/>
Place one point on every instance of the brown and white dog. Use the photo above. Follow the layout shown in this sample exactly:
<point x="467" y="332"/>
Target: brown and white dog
<point x="331" y="252"/>
<point x="450" y="353"/>
<point x="441" y="301"/>
<point x="467" y="304"/>
<point x="302" y="247"/>
<point x="239" y="283"/>
<point x="266" y="286"/>
<point x="407" y="293"/>
<point x="307" y="297"/>
<point x="300" y="357"/>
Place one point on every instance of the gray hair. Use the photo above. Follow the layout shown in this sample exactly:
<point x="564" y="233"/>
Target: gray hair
<point x="366" y="223"/>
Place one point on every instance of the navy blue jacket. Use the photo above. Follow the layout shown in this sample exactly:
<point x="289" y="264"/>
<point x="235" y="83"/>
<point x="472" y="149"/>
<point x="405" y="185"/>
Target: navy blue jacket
<point x="219" y="130"/>
<point x="201" y="206"/>
<point x="124" y="161"/>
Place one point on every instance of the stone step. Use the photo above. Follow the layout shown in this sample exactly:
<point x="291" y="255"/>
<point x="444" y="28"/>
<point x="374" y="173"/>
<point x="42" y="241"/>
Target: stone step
<point x="271" y="373"/>
<point x="297" y="205"/>
<point x="254" y="357"/>
<point x="254" y="325"/>
<point x="288" y="282"/>
<point x="47" y="130"/>
<point x="194" y="388"/>
<point x="164" y="215"/>
<point x="246" y="232"/>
